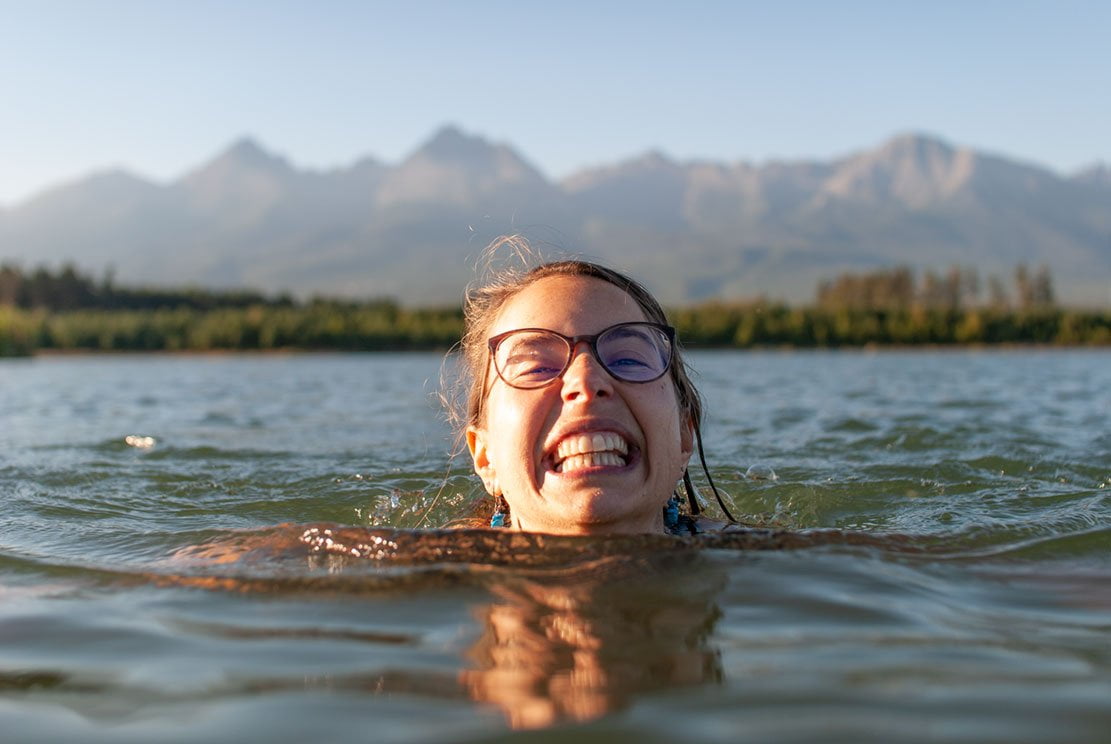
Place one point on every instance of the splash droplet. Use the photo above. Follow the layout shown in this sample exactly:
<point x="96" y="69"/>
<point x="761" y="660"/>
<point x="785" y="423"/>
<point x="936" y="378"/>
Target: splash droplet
<point x="761" y="472"/>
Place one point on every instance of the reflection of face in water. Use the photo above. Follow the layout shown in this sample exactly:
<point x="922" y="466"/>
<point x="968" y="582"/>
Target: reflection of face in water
<point x="573" y="648"/>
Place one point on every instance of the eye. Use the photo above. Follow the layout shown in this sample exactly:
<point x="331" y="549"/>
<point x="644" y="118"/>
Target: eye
<point x="534" y="368"/>
<point x="629" y="348"/>
<point x="628" y="357"/>
<point x="531" y="358"/>
<point x="633" y="352"/>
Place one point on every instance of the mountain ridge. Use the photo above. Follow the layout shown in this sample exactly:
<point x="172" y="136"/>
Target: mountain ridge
<point x="692" y="229"/>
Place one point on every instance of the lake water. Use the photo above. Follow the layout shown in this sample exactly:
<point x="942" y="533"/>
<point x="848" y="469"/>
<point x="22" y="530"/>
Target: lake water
<point x="952" y="580"/>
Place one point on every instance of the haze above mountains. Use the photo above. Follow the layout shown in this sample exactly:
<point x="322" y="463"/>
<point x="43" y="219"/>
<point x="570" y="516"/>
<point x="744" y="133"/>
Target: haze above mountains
<point x="691" y="230"/>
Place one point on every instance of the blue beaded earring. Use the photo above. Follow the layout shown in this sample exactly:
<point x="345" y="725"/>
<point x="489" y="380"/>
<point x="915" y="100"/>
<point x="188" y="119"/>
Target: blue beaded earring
<point x="501" y="513"/>
<point x="671" y="513"/>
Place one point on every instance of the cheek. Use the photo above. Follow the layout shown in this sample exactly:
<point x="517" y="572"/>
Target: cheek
<point x="662" y="406"/>
<point x="662" y="422"/>
<point x="512" y="423"/>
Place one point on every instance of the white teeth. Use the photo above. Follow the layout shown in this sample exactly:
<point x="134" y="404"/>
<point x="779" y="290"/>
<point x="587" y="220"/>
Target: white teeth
<point x="598" y="449"/>
<point x="595" y="442"/>
<point x="590" y="460"/>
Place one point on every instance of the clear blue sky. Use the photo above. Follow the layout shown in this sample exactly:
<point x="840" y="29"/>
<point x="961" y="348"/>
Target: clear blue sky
<point x="159" y="87"/>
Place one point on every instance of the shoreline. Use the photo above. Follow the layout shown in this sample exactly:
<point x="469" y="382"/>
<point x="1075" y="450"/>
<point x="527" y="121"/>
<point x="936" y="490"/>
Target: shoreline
<point x="1009" y="346"/>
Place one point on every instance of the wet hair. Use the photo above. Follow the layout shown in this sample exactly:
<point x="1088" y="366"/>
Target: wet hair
<point x="484" y="302"/>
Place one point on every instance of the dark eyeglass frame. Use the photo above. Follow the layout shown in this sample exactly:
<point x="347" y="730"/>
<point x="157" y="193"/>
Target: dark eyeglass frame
<point x="592" y="342"/>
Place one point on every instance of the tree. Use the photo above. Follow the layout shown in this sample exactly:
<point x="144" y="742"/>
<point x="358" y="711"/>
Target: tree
<point x="997" y="293"/>
<point x="1041" y="288"/>
<point x="1023" y="288"/>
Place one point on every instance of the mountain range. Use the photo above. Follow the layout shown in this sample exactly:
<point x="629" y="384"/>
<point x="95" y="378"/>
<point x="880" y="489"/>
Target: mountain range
<point x="691" y="230"/>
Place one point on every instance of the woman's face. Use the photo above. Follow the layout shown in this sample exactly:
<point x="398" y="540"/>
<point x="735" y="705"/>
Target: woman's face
<point x="526" y="437"/>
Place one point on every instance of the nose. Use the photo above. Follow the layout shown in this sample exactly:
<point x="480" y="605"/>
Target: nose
<point x="585" y="378"/>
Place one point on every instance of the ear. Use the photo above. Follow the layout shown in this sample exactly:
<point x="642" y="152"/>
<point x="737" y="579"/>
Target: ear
<point x="686" y="438"/>
<point x="483" y="468"/>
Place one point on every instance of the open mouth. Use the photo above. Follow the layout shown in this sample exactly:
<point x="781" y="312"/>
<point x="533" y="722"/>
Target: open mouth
<point x="590" y="450"/>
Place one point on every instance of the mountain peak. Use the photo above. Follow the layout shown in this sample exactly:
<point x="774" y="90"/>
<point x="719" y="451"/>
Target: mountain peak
<point x="243" y="177"/>
<point x="649" y="164"/>
<point x="115" y="185"/>
<point x="456" y="167"/>
<point x="1097" y="174"/>
<point x="655" y="158"/>
<point x="913" y="139"/>
<point x="246" y="151"/>
<point x="913" y="168"/>
<point x="450" y="143"/>
<point x="917" y="147"/>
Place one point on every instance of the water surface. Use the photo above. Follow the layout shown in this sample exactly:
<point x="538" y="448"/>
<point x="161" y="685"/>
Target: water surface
<point x="933" y="561"/>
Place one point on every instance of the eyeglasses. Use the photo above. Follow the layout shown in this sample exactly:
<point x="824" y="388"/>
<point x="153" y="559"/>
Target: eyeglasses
<point x="630" y="352"/>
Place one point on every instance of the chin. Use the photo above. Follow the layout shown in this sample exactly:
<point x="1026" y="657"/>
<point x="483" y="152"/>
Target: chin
<point x="606" y="511"/>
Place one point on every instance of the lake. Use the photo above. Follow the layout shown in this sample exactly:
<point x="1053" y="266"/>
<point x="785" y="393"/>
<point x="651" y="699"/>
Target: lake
<point x="219" y="548"/>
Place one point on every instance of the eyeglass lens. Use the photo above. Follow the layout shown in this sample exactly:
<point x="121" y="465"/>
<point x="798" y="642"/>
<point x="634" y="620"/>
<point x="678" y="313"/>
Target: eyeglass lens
<point x="633" y="352"/>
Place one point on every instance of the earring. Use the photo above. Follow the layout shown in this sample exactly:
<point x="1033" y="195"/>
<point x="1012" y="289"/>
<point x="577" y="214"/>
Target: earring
<point x="671" y="514"/>
<point x="501" y="512"/>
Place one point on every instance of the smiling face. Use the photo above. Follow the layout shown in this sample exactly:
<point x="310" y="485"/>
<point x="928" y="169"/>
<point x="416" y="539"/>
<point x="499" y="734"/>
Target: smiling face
<point x="587" y="453"/>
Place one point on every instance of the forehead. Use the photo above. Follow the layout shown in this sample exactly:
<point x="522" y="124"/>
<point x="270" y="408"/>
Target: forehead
<point x="571" y="305"/>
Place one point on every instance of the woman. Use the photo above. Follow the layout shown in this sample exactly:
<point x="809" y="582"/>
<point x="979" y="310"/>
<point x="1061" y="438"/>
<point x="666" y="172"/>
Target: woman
<point x="580" y="417"/>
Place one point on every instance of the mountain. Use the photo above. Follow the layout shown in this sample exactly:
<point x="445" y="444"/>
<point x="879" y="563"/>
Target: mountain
<point x="1096" y="175"/>
<point x="453" y="169"/>
<point x="692" y="230"/>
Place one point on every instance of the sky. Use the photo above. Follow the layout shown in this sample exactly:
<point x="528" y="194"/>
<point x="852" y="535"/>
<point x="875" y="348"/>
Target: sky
<point x="157" y="87"/>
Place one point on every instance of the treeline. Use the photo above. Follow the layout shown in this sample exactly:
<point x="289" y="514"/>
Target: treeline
<point x="895" y="307"/>
<point x="959" y="287"/>
<point x="768" y="324"/>
<point x="66" y="310"/>
<point x="44" y="311"/>
<point x="320" y="325"/>
<point x="68" y="289"/>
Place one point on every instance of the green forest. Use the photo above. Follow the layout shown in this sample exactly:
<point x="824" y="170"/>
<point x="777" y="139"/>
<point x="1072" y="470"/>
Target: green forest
<point x="64" y="310"/>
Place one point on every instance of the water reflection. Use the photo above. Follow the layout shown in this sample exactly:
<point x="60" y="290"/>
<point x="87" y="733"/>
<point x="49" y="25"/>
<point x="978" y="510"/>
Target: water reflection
<point x="574" y="648"/>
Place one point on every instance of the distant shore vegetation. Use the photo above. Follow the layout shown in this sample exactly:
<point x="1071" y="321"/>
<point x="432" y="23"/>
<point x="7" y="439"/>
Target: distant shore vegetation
<point x="64" y="310"/>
